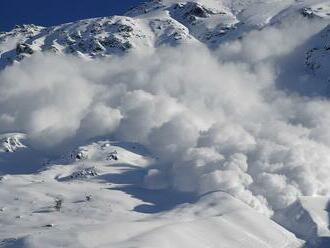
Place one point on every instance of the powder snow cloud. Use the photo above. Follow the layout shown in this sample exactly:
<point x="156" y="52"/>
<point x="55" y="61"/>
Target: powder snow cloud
<point x="215" y="119"/>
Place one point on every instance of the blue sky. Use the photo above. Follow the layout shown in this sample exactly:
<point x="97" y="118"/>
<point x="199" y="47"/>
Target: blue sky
<point x="52" y="12"/>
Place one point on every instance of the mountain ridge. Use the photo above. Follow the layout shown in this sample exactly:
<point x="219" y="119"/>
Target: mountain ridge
<point x="217" y="153"/>
<point x="153" y="24"/>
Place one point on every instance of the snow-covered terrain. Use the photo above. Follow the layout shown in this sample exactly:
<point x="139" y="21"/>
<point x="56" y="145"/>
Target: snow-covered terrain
<point x="104" y="204"/>
<point x="201" y="123"/>
<point x="154" y="24"/>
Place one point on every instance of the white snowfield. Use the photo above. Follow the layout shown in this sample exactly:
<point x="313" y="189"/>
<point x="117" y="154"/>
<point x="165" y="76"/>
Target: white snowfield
<point x="198" y="124"/>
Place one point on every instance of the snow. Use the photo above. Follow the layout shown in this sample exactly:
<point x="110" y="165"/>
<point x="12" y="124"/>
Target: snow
<point x="119" y="211"/>
<point x="154" y="24"/>
<point x="197" y="123"/>
<point x="11" y="142"/>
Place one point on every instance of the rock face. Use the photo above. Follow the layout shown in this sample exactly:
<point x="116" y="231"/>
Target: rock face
<point x="156" y="23"/>
<point x="23" y="49"/>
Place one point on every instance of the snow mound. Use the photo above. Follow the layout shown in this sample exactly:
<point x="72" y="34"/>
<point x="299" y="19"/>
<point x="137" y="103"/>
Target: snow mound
<point x="215" y="219"/>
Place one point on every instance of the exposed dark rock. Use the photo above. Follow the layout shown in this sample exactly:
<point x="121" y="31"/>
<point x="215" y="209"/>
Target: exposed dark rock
<point x="84" y="173"/>
<point x="307" y="12"/>
<point x="124" y="28"/>
<point x="24" y="48"/>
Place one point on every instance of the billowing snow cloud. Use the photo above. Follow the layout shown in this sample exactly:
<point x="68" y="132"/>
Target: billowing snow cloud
<point x="215" y="120"/>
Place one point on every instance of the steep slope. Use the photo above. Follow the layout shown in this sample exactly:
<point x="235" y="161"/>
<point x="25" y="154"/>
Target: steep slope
<point x="154" y="24"/>
<point x="305" y="70"/>
<point x="220" y="132"/>
<point x="87" y="38"/>
<point x="317" y="57"/>
<point x="309" y="219"/>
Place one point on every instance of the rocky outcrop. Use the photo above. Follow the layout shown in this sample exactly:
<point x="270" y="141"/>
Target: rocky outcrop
<point x="11" y="142"/>
<point x="23" y="48"/>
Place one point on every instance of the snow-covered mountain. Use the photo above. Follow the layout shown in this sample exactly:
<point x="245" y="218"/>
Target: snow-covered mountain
<point x="152" y="147"/>
<point x="158" y="23"/>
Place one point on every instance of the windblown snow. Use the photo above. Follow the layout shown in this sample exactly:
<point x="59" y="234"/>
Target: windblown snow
<point x="182" y="124"/>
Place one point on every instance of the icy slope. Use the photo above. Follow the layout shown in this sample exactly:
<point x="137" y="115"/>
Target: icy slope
<point x="104" y="204"/>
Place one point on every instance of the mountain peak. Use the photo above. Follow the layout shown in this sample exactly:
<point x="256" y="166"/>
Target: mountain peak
<point x="152" y="24"/>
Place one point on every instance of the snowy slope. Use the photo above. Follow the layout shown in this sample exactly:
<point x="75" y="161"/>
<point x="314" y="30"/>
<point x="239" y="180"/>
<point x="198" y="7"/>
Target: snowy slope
<point x="188" y="188"/>
<point x="153" y="24"/>
<point x="105" y="205"/>
<point x="317" y="57"/>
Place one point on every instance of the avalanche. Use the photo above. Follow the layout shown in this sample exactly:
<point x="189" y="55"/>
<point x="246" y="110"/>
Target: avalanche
<point x="181" y="124"/>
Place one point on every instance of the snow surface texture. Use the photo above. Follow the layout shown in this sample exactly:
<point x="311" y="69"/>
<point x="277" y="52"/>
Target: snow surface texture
<point x="96" y="209"/>
<point x="228" y="110"/>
